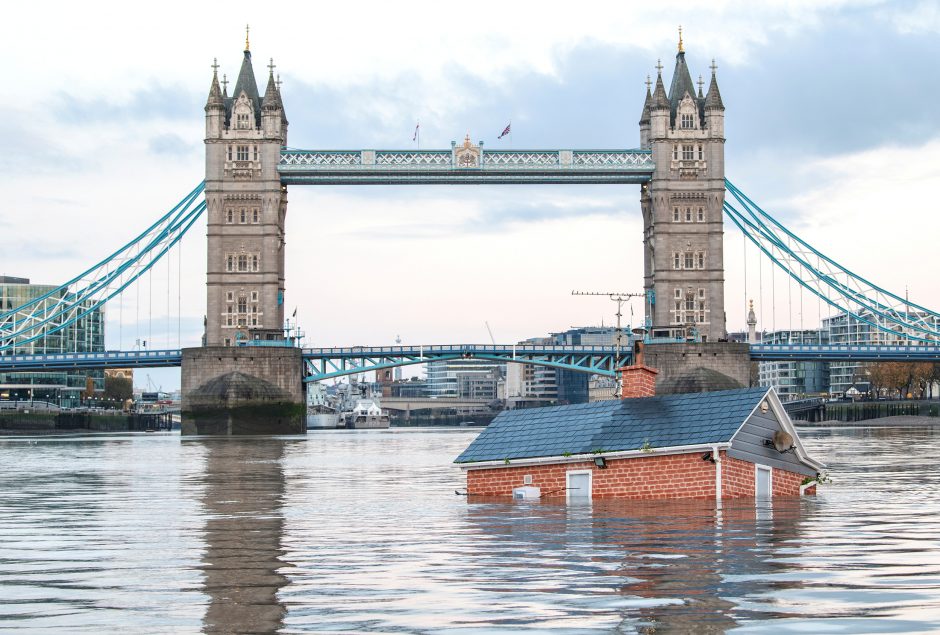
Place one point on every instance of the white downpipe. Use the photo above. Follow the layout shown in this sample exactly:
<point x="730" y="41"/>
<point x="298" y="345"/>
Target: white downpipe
<point x="806" y="486"/>
<point x="717" y="456"/>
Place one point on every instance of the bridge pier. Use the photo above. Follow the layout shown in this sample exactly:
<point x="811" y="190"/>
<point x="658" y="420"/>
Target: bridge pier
<point x="252" y="390"/>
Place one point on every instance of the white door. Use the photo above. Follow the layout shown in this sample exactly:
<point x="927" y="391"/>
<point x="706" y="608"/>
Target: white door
<point x="762" y="484"/>
<point x="579" y="486"/>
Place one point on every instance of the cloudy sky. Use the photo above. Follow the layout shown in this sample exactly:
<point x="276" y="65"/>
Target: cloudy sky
<point x="832" y="124"/>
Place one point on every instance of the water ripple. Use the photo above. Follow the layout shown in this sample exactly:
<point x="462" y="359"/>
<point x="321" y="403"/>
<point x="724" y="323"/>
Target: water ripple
<point x="362" y="532"/>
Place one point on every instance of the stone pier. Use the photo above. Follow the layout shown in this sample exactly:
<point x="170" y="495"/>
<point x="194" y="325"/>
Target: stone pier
<point x="242" y="391"/>
<point x="699" y="367"/>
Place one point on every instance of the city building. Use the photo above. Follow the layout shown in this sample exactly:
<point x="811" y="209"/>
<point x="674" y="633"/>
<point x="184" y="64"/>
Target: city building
<point x="795" y="380"/>
<point x="465" y="378"/>
<point x="578" y="387"/>
<point x="83" y="335"/>
<point x="850" y="330"/>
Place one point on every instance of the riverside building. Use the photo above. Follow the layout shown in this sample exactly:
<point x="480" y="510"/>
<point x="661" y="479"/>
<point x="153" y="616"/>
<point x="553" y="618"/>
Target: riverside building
<point x="83" y="335"/>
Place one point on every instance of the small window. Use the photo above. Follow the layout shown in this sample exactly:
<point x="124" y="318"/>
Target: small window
<point x="701" y="214"/>
<point x="244" y="215"/>
<point x="254" y="216"/>
<point x="688" y="214"/>
<point x="678" y="293"/>
<point x="689" y="262"/>
<point x="228" y="320"/>
<point x="701" y="293"/>
<point x="254" y="321"/>
<point x="688" y="153"/>
<point x="242" y="305"/>
<point x="242" y="121"/>
<point x="242" y="153"/>
<point x="228" y="342"/>
<point x="254" y="263"/>
<point x="229" y="216"/>
<point x="675" y="214"/>
<point x="254" y="296"/>
<point x="701" y="260"/>
<point x="675" y="153"/>
<point x="256" y="151"/>
<point x="229" y="296"/>
<point x="688" y="122"/>
<point x="243" y="263"/>
<point x="675" y="260"/>
<point x="701" y="156"/>
<point x="229" y="153"/>
<point x="230" y="263"/>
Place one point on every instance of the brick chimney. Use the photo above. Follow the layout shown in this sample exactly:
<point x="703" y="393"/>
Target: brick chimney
<point x="637" y="380"/>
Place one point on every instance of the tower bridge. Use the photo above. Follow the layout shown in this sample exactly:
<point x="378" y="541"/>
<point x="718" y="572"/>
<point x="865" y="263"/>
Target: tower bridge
<point x="244" y="362"/>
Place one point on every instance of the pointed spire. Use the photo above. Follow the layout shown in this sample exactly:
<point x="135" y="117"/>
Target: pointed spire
<point x="215" y="94"/>
<point x="645" y="116"/>
<point x="247" y="29"/>
<point x="681" y="50"/>
<point x="224" y="86"/>
<point x="659" y="94"/>
<point x="246" y="83"/>
<point x="713" y="98"/>
<point x="272" y="98"/>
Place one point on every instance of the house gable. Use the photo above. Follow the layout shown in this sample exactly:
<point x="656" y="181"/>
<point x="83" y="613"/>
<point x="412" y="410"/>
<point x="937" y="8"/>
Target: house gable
<point x="748" y="443"/>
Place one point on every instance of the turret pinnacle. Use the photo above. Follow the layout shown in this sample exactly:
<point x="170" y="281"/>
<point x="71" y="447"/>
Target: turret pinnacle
<point x="713" y="98"/>
<point x="215" y="94"/>
<point x="645" y="116"/>
<point x="660" y="100"/>
<point x="272" y="98"/>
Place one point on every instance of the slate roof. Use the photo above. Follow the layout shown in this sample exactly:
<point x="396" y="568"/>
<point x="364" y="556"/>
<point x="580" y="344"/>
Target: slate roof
<point x="615" y="425"/>
<point x="245" y="82"/>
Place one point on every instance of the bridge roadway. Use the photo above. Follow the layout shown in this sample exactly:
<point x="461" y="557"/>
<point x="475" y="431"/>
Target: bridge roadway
<point x="323" y="363"/>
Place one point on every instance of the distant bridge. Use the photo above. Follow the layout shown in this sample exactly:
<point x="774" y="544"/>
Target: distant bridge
<point x="326" y="363"/>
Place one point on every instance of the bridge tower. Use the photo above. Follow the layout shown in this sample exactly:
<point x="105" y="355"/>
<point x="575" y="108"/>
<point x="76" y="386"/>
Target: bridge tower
<point x="682" y="206"/>
<point x="246" y="207"/>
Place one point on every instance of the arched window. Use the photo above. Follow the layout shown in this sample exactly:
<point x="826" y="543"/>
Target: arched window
<point x="230" y="263"/>
<point x="254" y="263"/>
<point x="229" y="215"/>
<point x="242" y="305"/>
<point x="701" y="215"/>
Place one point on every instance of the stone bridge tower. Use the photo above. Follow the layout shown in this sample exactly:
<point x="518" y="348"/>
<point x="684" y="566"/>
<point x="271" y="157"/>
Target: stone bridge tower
<point x="682" y="206"/>
<point x="246" y="207"/>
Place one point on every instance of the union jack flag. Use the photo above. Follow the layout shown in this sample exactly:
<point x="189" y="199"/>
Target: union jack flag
<point x="505" y="131"/>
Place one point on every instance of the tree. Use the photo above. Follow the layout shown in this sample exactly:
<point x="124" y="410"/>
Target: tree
<point x="890" y="376"/>
<point x="119" y="389"/>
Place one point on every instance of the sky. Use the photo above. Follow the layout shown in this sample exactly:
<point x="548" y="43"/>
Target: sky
<point x="831" y="119"/>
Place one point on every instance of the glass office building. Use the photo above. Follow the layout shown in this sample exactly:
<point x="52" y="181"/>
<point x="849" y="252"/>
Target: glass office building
<point x="795" y="380"/>
<point x="84" y="335"/>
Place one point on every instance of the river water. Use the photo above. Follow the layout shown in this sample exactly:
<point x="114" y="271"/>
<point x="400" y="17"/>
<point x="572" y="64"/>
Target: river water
<point x="362" y="532"/>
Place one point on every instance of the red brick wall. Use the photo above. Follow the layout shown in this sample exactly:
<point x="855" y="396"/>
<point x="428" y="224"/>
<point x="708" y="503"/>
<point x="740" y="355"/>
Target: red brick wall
<point x="661" y="476"/>
<point x="737" y="477"/>
<point x="638" y="381"/>
<point x="670" y="476"/>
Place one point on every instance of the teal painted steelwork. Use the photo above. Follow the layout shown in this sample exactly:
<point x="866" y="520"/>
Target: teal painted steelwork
<point x="327" y="363"/>
<point x="918" y="328"/>
<point x="65" y="305"/>
<point x="370" y="167"/>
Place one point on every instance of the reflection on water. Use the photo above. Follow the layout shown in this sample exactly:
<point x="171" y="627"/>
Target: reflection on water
<point x="361" y="531"/>
<point x="244" y="524"/>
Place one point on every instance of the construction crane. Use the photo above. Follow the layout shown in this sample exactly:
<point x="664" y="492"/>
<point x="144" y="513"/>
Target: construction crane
<point x="619" y="298"/>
